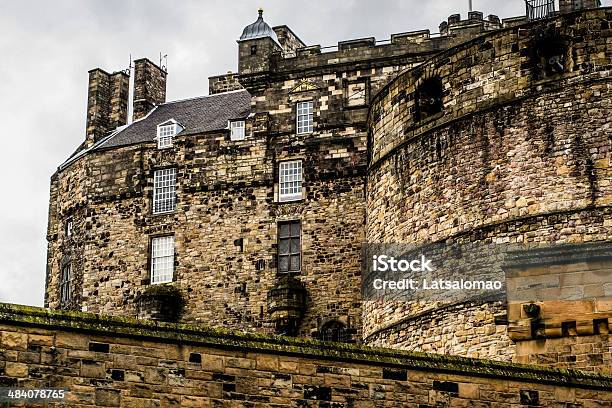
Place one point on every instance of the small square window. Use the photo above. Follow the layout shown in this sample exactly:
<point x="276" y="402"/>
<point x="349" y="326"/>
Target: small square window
<point x="289" y="247"/>
<point x="164" y="191"/>
<point x="304" y="117"/>
<point x="162" y="259"/>
<point x="253" y="49"/>
<point x="237" y="130"/>
<point x="290" y="181"/>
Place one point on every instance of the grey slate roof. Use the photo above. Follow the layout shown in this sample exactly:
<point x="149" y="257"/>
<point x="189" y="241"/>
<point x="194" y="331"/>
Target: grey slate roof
<point x="196" y="115"/>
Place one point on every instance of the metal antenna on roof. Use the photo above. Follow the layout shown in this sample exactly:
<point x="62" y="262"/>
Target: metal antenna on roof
<point x="128" y="70"/>
<point x="471" y="9"/>
<point x="163" y="61"/>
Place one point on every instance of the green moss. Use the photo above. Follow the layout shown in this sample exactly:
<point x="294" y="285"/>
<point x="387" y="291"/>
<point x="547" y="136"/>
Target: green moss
<point x="162" y="290"/>
<point x="305" y="348"/>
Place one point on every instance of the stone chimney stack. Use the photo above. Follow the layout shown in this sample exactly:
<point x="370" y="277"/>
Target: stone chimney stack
<point x="119" y="99"/>
<point x="107" y="103"/>
<point x="567" y="6"/>
<point x="149" y="87"/>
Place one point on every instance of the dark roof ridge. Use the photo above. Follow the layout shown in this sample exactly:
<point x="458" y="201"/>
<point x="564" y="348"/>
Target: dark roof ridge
<point x="202" y="97"/>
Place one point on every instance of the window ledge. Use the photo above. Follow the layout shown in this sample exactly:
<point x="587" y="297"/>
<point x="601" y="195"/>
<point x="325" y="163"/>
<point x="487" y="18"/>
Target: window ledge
<point x="290" y="273"/>
<point x="290" y="200"/>
<point x="164" y="213"/>
<point x="161" y="283"/>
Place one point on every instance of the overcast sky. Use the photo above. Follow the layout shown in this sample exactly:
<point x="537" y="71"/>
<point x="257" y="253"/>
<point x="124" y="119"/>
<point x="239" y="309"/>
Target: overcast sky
<point x="47" y="47"/>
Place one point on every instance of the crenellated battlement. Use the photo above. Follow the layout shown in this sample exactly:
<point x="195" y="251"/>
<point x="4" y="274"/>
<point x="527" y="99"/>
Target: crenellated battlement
<point x="279" y="60"/>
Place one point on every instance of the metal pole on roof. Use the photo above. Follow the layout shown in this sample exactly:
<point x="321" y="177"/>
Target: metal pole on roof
<point x="471" y="5"/>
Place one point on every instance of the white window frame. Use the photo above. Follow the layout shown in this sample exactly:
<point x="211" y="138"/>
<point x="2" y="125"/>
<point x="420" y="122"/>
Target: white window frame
<point x="69" y="225"/>
<point x="166" y="132"/>
<point x="304" y="118"/>
<point x="162" y="259"/>
<point x="164" y="190"/>
<point x="237" y="130"/>
<point x="65" y="283"/>
<point x="290" y="177"/>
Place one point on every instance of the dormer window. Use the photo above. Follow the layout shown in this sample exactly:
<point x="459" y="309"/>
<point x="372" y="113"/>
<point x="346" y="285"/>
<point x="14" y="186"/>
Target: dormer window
<point x="237" y="130"/>
<point x="165" y="132"/>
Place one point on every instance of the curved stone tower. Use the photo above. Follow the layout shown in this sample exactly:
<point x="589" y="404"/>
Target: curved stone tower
<point x="502" y="139"/>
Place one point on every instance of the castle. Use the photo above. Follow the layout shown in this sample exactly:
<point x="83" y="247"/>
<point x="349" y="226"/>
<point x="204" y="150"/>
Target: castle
<point x="247" y="208"/>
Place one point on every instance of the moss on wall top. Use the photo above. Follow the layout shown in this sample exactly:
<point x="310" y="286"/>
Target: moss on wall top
<point x="17" y="315"/>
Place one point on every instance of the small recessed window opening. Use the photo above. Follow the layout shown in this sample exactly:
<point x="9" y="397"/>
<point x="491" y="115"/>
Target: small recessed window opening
<point x="334" y="331"/>
<point x="237" y="130"/>
<point x="66" y="284"/>
<point x="162" y="259"/>
<point x="253" y="49"/>
<point x="428" y="100"/>
<point x="290" y="181"/>
<point x="289" y="247"/>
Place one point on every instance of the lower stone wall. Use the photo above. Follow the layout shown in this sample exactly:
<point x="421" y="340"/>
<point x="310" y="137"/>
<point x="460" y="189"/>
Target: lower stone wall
<point x="475" y="330"/>
<point x="123" y="362"/>
<point x="593" y="353"/>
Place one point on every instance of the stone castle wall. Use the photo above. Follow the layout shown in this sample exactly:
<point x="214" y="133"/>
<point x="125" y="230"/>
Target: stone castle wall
<point x="223" y="83"/>
<point x="221" y="198"/>
<point x="585" y="353"/>
<point x="120" y="362"/>
<point x="517" y="154"/>
<point x="227" y="192"/>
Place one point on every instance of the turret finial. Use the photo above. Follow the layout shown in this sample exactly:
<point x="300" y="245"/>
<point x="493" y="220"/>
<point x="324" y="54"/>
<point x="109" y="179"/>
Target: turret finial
<point x="260" y="11"/>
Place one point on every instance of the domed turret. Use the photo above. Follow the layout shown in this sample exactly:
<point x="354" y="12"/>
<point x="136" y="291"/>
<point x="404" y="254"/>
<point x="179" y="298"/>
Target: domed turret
<point x="259" y="29"/>
<point x="256" y="46"/>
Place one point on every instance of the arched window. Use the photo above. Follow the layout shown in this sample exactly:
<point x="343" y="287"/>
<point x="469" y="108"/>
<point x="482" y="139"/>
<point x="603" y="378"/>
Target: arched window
<point x="428" y="98"/>
<point x="334" y="331"/>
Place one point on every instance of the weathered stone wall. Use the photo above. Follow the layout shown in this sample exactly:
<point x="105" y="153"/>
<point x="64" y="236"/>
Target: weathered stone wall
<point x="517" y="154"/>
<point x="593" y="353"/>
<point x="494" y="70"/>
<point x="465" y="329"/>
<point x="124" y="363"/>
<point x="288" y="40"/>
<point x="149" y="87"/>
<point x="559" y="292"/>
<point x="227" y="192"/>
<point x="223" y="83"/>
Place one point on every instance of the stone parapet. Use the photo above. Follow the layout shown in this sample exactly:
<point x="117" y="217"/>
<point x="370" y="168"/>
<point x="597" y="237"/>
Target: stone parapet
<point x="99" y="360"/>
